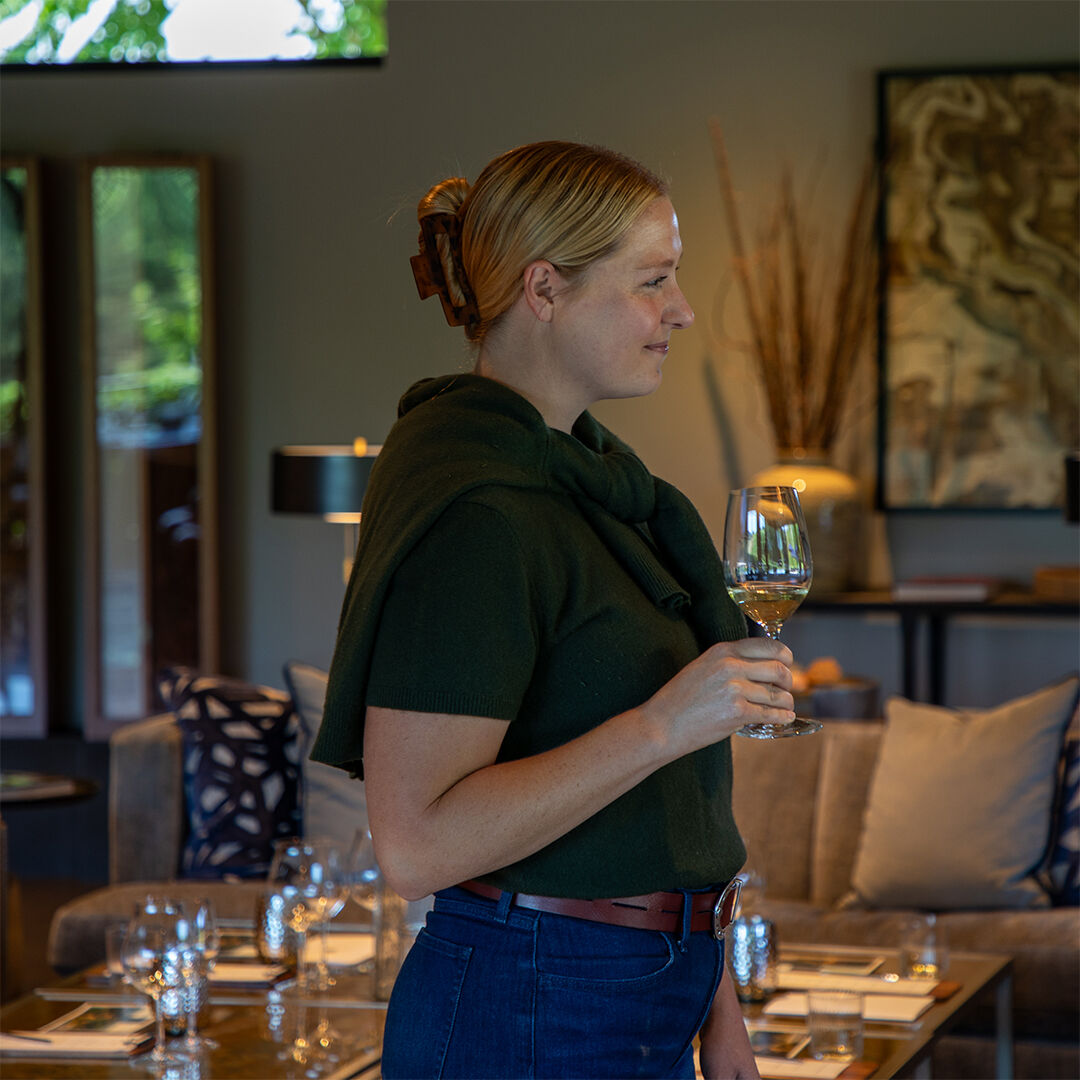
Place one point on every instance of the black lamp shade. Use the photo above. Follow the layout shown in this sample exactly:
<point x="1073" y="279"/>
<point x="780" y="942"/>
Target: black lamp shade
<point x="319" y="479"/>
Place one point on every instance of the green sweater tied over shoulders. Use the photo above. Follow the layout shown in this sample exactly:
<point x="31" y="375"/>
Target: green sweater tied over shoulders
<point x="459" y="433"/>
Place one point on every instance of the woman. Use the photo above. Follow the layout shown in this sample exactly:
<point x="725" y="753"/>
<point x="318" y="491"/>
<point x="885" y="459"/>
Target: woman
<point x="538" y="668"/>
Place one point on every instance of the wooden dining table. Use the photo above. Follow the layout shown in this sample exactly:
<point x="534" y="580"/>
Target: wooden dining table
<point x="265" y="1034"/>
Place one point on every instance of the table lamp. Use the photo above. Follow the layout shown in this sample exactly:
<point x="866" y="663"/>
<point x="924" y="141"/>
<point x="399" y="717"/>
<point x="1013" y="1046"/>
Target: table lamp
<point x="324" y="480"/>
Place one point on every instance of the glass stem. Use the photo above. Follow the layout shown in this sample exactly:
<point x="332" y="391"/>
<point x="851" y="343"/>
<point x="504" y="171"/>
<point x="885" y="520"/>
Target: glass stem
<point x="159" y="1027"/>
<point x="325" y="978"/>
<point x="301" y="960"/>
<point x="191" y="1038"/>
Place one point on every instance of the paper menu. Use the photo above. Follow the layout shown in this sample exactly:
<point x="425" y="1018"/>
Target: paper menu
<point x="881" y="1008"/>
<point x="345" y="949"/>
<point x="234" y="974"/>
<point x="73" y="1044"/>
<point x="778" y="1068"/>
<point x="772" y="1042"/>
<point x="862" y="984"/>
<point x="94" y="1018"/>
<point x="829" y="963"/>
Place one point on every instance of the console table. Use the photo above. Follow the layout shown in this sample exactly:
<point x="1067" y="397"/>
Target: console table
<point x="38" y="789"/>
<point x="935" y="614"/>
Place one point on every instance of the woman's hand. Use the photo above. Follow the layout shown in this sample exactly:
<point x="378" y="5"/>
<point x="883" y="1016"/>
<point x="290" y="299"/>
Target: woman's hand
<point x="729" y="685"/>
<point x="725" y="1046"/>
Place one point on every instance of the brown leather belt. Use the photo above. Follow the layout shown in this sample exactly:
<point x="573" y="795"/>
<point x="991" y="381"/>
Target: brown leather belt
<point x="712" y="911"/>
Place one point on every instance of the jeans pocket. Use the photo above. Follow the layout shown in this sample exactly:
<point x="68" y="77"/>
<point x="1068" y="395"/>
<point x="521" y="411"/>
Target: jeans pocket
<point x="423" y="1008"/>
<point x="573" y="954"/>
<point x="632" y="1013"/>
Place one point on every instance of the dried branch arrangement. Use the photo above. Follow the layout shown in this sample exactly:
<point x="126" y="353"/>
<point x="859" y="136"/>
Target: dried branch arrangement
<point x="810" y="316"/>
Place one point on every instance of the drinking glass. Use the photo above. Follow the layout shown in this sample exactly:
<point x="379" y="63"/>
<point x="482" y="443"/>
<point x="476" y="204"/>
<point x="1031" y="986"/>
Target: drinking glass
<point x="275" y="940"/>
<point x="114" y="941"/>
<point x="924" y="953"/>
<point x="835" y="1020"/>
<point x="144" y="956"/>
<point x="767" y="570"/>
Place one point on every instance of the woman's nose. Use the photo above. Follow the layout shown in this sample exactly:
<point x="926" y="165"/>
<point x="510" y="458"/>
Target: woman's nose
<point x="680" y="314"/>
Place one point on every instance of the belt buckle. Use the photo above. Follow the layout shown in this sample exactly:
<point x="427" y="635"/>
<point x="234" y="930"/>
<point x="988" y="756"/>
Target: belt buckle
<point x="725" y="906"/>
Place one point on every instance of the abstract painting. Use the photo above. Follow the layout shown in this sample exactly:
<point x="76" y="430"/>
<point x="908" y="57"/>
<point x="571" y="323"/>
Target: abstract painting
<point x="980" y="328"/>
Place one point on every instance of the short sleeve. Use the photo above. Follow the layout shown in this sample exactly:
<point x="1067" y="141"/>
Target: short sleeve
<point x="458" y="628"/>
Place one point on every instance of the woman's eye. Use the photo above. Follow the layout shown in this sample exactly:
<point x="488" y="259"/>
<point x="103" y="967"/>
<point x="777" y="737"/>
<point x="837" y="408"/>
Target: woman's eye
<point x="656" y="282"/>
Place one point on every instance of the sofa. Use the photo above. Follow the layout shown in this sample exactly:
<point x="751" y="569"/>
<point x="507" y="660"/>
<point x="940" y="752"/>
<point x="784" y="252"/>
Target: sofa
<point x="153" y="819"/>
<point x="802" y="806"/>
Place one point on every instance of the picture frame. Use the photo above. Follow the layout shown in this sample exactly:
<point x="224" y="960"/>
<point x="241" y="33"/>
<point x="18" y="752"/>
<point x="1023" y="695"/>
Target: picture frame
<point x="979" y="358"/>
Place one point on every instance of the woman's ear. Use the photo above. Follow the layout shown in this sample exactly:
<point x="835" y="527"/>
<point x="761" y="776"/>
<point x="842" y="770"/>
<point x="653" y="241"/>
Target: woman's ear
<point x="541" y="283"/>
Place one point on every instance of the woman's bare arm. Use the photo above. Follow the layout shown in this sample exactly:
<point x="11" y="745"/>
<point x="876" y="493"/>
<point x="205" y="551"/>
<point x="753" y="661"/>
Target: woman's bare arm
<point x="442" y="811"/>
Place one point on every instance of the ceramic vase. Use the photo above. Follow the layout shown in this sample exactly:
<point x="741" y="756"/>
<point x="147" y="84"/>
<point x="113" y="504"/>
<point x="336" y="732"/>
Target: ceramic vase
<point x="834" y="513"/>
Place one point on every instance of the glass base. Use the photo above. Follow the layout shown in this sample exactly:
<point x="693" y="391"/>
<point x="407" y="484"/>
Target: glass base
<point x="798" y="726"/>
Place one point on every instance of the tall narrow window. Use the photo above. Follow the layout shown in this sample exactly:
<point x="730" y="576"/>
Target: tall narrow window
<point x="23" y="681"/>
<point x="151" y="490"/>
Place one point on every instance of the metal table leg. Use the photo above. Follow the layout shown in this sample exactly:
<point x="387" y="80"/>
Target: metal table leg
<point x="1003" y="1014"/>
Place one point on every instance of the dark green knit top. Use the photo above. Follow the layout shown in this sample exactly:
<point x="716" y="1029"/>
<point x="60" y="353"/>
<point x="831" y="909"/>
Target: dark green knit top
<point x="509" y="570"/>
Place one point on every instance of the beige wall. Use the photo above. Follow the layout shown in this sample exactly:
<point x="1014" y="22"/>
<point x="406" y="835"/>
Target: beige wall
<point x="320" y="327"/>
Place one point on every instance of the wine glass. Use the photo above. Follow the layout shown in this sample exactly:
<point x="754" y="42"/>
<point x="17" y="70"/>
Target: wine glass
<point x="329" y="902"/>
<point x="767" y="570"/>
<point x="308" y="875"/>
<point x="144" y="955"/>
<point x="199" y="941"/>
<point x="363" y="872"/>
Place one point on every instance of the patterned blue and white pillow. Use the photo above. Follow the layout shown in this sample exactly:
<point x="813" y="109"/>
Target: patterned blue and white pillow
<point x="241" y="751"/>
<point x="1062" y="874"/>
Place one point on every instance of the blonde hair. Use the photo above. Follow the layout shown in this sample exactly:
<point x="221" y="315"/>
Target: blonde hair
<point x="564" y="202"/>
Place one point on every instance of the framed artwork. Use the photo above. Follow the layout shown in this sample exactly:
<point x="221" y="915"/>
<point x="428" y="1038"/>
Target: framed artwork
<point x="979" y="344"/>
<point x="23" y="676"/>
<point x="150" y="427"/>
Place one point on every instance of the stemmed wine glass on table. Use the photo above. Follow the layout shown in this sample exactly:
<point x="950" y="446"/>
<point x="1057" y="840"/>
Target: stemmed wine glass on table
<point x="309" y="875"/>
<point x="363" y="872"/>
<point x="144" y="955"/>
<point x="767" y="571"/>
<point x="310" y="878"/>
<point x="198" y="943"/>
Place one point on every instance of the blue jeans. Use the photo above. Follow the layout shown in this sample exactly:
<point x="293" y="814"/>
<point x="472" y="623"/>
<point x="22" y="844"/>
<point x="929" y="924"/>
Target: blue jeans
<point x="492" y="990"/>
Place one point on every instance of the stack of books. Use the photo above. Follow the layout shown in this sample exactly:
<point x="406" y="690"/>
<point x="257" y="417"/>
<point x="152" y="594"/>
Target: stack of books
<point x="964" y="589"/>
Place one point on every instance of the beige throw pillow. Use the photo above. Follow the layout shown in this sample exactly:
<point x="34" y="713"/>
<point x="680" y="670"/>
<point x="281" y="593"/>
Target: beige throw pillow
<point x="958" y="814"/>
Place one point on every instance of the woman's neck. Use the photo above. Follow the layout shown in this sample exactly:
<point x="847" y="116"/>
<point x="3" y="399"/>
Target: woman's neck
<point x="519" y="362"/>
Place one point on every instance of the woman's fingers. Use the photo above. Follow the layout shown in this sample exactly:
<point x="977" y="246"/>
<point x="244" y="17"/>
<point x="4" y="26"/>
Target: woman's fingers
<point x="757" y="670"/>
<point x="756" y="648"/>
<point x="769" y="694"/>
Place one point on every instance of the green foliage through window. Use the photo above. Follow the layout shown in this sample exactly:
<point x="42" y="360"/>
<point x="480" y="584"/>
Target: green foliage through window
<point x="148" y="302"/>
<point x="12" y="302"/>
<point x="59" y="32"/>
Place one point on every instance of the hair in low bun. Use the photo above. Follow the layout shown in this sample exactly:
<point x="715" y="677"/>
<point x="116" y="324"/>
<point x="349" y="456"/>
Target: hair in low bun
<point x="447" y="196"/>
<point x="565" y="202"/>
<point x="438" y="267"/>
